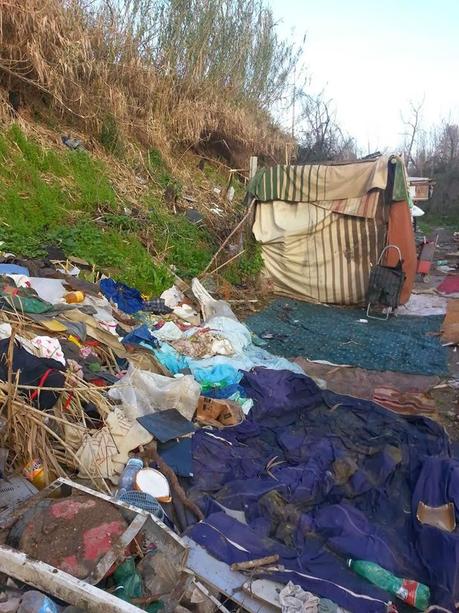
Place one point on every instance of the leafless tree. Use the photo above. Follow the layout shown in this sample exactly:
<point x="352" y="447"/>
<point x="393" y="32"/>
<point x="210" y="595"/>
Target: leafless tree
<point x="412" y="123"/>
<point x="319" y="135"/>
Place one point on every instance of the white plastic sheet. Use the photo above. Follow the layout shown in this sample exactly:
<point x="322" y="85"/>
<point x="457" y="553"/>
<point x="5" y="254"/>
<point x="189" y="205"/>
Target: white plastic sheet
<point x="51" y="290"/>
<point x="143" y="392"/>
<point x="231" y="329"/>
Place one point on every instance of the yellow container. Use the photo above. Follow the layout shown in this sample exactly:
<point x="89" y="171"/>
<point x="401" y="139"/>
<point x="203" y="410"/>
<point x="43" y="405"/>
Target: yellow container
<point x="35" y="473"/>
<point x="74" y="297"/>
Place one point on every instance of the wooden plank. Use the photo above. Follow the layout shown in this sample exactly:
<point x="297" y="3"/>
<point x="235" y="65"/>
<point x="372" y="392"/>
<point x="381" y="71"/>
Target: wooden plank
<point x="265" y="590"/>
<point x="115" y="553"/>
<point x="79" y="592"/>
<point x="253" y="166"/>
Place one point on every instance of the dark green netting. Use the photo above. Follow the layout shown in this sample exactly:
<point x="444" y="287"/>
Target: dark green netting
<point x="317" y="332"/>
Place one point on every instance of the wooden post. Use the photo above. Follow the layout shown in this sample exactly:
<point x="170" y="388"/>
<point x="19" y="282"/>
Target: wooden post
<point x="253" y="166"/>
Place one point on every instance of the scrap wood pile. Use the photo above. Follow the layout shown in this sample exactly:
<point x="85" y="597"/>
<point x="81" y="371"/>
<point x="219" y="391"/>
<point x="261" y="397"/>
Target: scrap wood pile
<point x="329" y="499"/>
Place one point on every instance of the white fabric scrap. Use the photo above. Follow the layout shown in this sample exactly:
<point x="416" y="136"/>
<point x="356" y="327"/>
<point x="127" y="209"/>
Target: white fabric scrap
<point x="172" y="297"/>
<point x="221" y="346"/>
<point x="294" y="599"/>
<point x="47" y="347"/>
<point x="5" y="331"/>
<point x="168" y="332"/>
<point x="20" y="280"/>
<point x="105" y="452"/>
<point x="109" y="326"/>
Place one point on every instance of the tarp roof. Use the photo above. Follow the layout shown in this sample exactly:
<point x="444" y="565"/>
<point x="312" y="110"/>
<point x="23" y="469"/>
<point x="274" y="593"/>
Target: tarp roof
<point x="328" y="181"/>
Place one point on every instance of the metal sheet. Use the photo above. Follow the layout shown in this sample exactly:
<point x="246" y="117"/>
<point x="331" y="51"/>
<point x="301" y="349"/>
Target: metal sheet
<point x="219" y="575"/>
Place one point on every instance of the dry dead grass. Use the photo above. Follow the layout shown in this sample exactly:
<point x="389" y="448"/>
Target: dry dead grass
<point x="60" y="56"/>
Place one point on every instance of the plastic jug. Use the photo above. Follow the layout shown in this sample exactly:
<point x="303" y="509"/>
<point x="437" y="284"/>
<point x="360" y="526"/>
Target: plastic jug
<point x="127" y="479"/>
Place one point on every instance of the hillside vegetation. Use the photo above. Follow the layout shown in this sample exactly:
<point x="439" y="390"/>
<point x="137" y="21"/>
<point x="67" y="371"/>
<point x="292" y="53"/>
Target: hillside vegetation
<point x="166" y="97"/>
<point x="172" y="74"/>
<point x="69" y="199"/>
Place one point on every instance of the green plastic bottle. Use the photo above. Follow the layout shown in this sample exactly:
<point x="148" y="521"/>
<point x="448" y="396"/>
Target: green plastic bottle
<point x="413" y="593"/>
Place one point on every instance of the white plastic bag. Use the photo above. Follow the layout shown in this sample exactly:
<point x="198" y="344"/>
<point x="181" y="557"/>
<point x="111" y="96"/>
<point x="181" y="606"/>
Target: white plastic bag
<point x="187" y="313"/>
<point x="209" y="306"/>
<point x="143" y="392"/>
<point x="172" y="297"/>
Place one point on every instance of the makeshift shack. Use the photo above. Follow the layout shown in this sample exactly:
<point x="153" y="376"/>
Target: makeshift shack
<point x="322" y="227"/>
<point x="421" y="188"/>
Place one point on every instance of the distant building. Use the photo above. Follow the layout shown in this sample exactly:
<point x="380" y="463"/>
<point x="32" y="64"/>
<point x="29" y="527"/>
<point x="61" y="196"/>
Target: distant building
<point x="421" y="188"/>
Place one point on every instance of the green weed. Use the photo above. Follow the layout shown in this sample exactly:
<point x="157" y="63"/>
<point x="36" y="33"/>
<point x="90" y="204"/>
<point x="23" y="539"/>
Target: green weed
<point x="247" y="266"/>
<point x="186" y="246"/>
<point x="429" y="222"/>
<point x="160" y="172"/>
<point x="53" y="197"/>
<point x="110" y="137"/>
<point x="48" y="197"/>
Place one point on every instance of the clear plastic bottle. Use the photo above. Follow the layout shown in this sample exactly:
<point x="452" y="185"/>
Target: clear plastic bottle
<point x="412" y="592"/>
<point x="36" y="602"/>
<point x="127" y="478"/>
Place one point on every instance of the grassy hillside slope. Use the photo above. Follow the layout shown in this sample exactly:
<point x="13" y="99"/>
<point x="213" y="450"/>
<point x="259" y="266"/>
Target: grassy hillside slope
<point x="56" y="196"/>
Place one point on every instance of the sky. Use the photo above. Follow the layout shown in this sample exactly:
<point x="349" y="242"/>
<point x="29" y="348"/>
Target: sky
<point x="373" y="57"/>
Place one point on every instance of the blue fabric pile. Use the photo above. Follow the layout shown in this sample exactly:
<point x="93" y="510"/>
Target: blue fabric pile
<point x="407" y="344"/>
<point x="129" y="300"/>
<point x="322" y="478"/>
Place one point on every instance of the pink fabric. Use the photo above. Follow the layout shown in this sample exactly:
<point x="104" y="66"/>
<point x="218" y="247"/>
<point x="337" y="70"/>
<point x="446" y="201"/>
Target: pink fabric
<point x="450" y="285"/>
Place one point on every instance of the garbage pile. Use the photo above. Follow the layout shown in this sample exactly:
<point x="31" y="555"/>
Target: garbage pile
<point x="88" y="392"/>
<point x="165" y="416"/>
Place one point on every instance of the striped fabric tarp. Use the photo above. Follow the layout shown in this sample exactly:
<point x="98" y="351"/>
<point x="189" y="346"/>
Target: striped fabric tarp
<point x="316" y="254"/>
<point x="366" y="206"/>
<point x="319" y="182"/>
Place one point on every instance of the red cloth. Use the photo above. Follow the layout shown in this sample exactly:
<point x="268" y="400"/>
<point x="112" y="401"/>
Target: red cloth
<point x="450" y="285"/>
<point x="400" y="233"/>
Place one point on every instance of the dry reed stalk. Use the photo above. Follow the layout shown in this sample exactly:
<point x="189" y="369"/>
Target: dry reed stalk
<point x="30" y="437"/>
<point x="168" y="86"/>
<point x="231" y="259"/>
<point x="227" y="239"/>
<point x="28" y="433"/>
